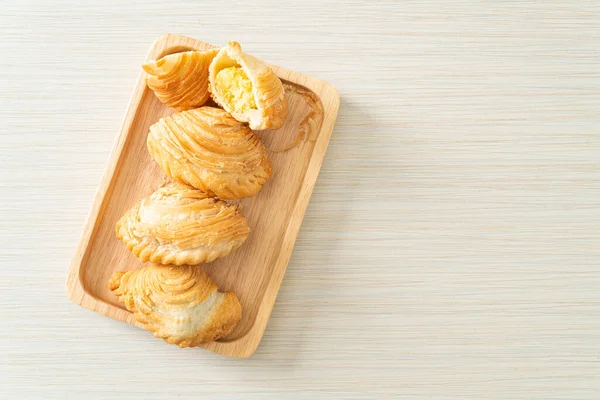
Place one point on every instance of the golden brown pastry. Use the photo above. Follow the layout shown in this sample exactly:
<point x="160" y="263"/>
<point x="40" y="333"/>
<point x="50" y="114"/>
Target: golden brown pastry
<point x="180" y="80"/>
<point x="209" y="150"/>
<point x="180" y="305"/>
<point x="247" y="88"/>
<point x="180" y="225"/>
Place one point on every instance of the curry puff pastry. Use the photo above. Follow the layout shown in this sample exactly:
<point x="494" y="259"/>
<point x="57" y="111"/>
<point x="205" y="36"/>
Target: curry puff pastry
<point x="180" y="80"/>
<point x="180" y="225"/>
<point x="209" y="150"/>
<point x="180" y="305"/>
<point x="247" y="88"/>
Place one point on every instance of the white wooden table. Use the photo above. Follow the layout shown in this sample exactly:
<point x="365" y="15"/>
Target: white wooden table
<point x="452" y="245"/>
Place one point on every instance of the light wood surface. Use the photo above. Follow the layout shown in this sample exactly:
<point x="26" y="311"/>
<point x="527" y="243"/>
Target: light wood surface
<point x="451" y="246"/>
<point x="253" y="272"/>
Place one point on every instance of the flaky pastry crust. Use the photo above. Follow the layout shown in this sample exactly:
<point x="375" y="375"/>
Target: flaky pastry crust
<point x="180" y="305"/>
<point x="180" y="80"/>
<point x="209" y="150"/>
<point x="271" y="106"/>
<point x="180" y="225"/>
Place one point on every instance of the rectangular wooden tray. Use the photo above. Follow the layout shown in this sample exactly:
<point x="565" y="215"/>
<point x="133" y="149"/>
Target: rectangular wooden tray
<point x="254" y="271"/>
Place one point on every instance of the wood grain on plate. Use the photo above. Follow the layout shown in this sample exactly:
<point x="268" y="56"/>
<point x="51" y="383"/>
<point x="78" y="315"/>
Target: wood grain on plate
<point x="254" y="272"/>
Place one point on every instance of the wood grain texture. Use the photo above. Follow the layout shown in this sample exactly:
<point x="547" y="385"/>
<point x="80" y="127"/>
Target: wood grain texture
<point x="451" y="246"/>
<point x="253" y="272"/>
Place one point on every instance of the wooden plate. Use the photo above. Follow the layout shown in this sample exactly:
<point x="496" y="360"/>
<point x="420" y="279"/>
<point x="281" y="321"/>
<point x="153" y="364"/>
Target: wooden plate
<point x="254" y="271"/>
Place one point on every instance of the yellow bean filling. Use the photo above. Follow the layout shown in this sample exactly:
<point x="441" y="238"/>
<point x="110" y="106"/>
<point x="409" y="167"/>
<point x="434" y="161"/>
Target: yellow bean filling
<point x="235" y="88"/>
